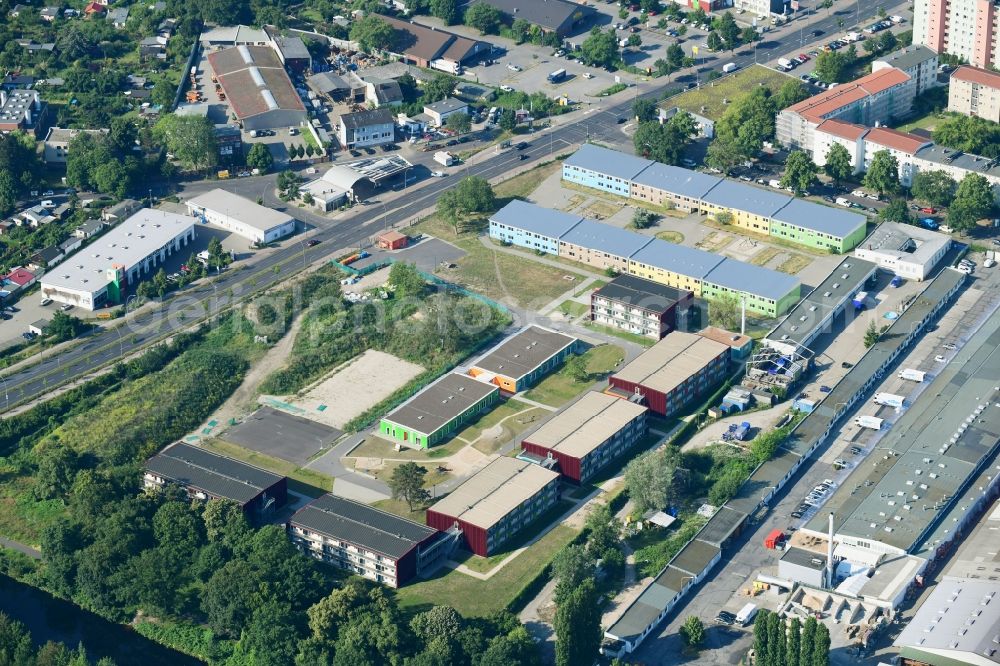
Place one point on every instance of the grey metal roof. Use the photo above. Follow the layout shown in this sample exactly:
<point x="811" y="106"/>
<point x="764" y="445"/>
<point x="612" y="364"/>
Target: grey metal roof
<point x="293" y="47"/>
<point x="605" y="238"/>
<point x="695" y="557"/>
<point x="957" y="623"/>
<point x="756" y="200"/>
<point x="440" y="402"/>
<point x="721" y="526"/>
<point x="684" y="182"/>
<point x="804" y="558"/>
<point x="837" y="222"/>
<point x="640" y="293"/>
<point x="535" y="219"/>
<point x="648" y="605"/>
<point x="217" y="475"/>
<point x="763" y="480"/>
<point x="741" y="276"/>
<point x="606" y="161"/>
<point x="446" y="105"/>
<point x="948" y="157"/>
<point x="524" y="352"/>
<point x="362" y="525"/>
<point x="909" y="56"/>
<point x="677" y="258"/>
<point x="841" y="284"/>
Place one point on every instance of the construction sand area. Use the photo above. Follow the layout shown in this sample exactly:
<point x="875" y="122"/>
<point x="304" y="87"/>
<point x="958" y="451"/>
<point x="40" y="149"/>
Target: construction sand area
<point x="350" y="390"/>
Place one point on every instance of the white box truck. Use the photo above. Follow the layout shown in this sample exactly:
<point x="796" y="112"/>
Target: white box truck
<point x="786" y="63"/>
<point x="889" y="400"/>
<point x="746" y="614"/>
<point x="872" y="422"/>
<point x="912" y="375"/>
<point x="730" y="67"/>
<point x="444" y="158"/>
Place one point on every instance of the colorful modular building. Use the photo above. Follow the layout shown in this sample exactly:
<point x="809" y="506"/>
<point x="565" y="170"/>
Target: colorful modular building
<point x="672" y="373"/>
<point x="755" y="209"/>
<point x="371" y="543"/>
<point x="521" y="360"/>
<point x="589" y="434"/>
<point x="438" y="411"/>
<point x="689" y="269"/>
<point x="642" y="307"/>
<point x="495" y="503"/>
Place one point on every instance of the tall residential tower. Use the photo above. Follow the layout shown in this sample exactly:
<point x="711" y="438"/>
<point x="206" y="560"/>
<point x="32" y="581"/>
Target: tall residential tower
<point x="964" y="28"/>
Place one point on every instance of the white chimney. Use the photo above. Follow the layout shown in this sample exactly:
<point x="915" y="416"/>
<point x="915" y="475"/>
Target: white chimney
<point x="829" y="555"/>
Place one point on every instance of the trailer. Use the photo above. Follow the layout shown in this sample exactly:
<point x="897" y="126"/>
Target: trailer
<point x="747" y="614"/>
<point x="860" y="301"/>
<point x="872" y="422"/>
<point x="444" y="158"/>
<point x="889" y="400"/>
<point x="912" y="375"/>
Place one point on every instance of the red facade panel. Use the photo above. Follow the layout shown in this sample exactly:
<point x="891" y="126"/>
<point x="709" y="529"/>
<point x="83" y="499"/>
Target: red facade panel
<point x="569" y="466"/>
<point x="473" y="535"/>
<point x="656" y="401"/>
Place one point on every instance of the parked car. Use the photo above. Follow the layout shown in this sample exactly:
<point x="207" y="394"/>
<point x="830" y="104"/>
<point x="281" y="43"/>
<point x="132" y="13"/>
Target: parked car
<point x="949" y="346"/>
<point x="506" y="88"/>
<point x="796" y="514"/>
<point x="940" y="359"/>
<point x="846" y="365"/>
<point x="928" y="210"/>
<point x="514" y="68"/>
<point x="825" y="389"/>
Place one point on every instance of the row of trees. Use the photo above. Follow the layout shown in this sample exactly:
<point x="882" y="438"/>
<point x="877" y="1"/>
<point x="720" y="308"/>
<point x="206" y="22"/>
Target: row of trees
<point x="970" y="134"/>
<point x="20" y="168"/>
<point x="17" y="647"/>
<point x="780" y="643"/>
<point x="836" y="66"/>
<point x="664" y="142"/>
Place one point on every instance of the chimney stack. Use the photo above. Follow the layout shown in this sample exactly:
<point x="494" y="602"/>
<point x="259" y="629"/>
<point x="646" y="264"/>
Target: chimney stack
<point x="829" y="555"/>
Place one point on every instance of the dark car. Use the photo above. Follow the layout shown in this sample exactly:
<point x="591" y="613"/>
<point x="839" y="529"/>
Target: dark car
<point x="817" y="33"/>
<point x="796" y="514"/>
<point x="846" y="365"/>
<point x="825" y="389"/>
<point x="621" y="120"/>
<point x="453" y="142"/>
<point x="313" y="242"/>
<point x="521" y="145"/>
<point x="725" y="617"/>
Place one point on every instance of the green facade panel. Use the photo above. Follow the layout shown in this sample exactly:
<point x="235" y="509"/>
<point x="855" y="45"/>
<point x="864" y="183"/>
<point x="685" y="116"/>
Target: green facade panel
<point x="422" y="440"/>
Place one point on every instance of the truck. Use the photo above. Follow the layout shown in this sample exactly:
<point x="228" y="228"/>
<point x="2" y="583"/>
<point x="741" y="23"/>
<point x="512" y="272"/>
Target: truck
<point x="852" y="37"/>
<point x="444" y="158"/>
<point x="912" y="375"/>
<point x="786" y="63"/>
<point x="742" y="431"/>
<point x="557" y="76"/>
<point x="888" y="399"/>
<point x="774" y="538"/>
<point x="872" y="422"/>
<point x="730" y="67"/>
<point x="747" y="614"/>
<point x="860" y="300"/>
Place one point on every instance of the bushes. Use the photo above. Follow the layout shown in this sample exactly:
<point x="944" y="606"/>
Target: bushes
<point x="650" y="560"/>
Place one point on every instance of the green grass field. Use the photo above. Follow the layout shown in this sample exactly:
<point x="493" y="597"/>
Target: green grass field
<point x="573" y="308"/>
<point x="559" y="388"/>
<point x="707" y="100"/>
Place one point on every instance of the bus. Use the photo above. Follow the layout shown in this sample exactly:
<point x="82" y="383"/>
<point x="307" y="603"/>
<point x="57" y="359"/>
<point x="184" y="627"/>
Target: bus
<point x="557" y="76"/>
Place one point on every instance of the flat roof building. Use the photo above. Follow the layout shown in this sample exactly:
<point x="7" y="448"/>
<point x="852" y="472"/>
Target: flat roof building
<point x="673" y="372"/>
<point x="206" y="475"/>
<point x="101" y="273"/>
<point x="438" y="411"/>
<point x="258" y="89"/>
<point x="495" y="503"/>
<point x="371" y="543"/>
<point x="557" y="16"/>
<point x="772" y="292"/>
<point x="518" y="362"/>
<point x="642" y="307"/>
<point x="907" y="250"/>
<point x="243" y="217"/>
<point x="588" y="435"/>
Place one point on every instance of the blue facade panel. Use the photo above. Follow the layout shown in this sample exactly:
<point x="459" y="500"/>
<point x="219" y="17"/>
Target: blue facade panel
<point x="600" y="181"/>
<point x="522" y="238"/>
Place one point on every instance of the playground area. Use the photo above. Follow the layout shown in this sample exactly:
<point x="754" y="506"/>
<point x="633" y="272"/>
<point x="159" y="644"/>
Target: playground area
<point x="350" y="390"/>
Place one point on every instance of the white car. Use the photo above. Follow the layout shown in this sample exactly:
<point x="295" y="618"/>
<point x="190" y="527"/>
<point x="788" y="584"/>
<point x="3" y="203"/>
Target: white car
<point x="859" y="193"/>
<point x="437" y="174"/>
<point x="989" y="263"/>
<point x="514" y="68"/>
<point x="506" y="88"/>
<point x="588" y="75"/>
<point x="48" y="203"/>
<point x="940" y="359"/>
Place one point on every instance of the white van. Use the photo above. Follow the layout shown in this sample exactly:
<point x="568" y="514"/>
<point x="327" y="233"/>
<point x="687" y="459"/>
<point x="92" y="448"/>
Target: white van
<point x="729" y="67"/>
<point x="841" y="201"/>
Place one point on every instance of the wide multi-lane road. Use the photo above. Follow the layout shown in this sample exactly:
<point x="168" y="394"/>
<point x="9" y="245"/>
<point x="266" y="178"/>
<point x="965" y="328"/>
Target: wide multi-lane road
<point x="178" y="312"/>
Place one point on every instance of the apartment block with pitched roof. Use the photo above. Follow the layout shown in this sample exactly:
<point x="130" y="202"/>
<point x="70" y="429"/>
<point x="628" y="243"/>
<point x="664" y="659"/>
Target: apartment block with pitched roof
<point x="975" y="92"/>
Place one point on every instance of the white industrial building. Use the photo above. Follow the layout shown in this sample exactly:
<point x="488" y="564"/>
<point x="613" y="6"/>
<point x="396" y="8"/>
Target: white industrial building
<point x="907" y="250"/>
<point x="241" y="216"/>
<point x="101" y="273"/>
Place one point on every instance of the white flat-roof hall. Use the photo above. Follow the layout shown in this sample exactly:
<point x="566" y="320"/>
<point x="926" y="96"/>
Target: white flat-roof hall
<point x="101" y="273"/>
<point x="241" y="216"/>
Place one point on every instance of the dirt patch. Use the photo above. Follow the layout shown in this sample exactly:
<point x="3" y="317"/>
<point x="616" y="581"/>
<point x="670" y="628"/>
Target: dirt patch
<point x="600" y="210"/>
<point x="794" y="263"/>
<point x="714" y="242"/>
<point x="764" y="256"/>
<point x="574" y="201"/>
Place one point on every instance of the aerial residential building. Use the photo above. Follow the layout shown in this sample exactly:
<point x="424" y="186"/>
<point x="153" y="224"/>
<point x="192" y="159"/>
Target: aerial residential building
<point x="773" y="293"/>
<point x="530" y="226"/>
<point x="21" y="110"/>
<point x="674" y="265"/>
<point x="975" y="92"/>
<point x="588" y="435"/>
<point x="205" y="475"/>
<point x="56" y="144"/>
<point x="878" y="97"/>
<point x="964" y="28"/>
<point x="901" y="145"/>
<point x="603" y="169"/>
<point x="666" y="185"/>
<point x="642" y="307"/>
<point x="372" y="127"/>
<point x="674" y="372"/>
<point x="848" y="135"/>
<point x="521" y="360"/>
<point x="601" y="246"/>
<point x="495" y="503"/>
<point x="917" y="61"/>
<point x="438" y="411"/>
<point x="241" y="216"/>
<point x="130" y="252"/>
<point x="907" y="250"/>
<point x="371" y="543"/>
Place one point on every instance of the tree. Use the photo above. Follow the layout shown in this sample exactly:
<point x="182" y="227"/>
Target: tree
<point x="838" y="163"/>
<point x="642" y="219"/>
<point x="570" y="567"/>
<point x="517" y="647"/>
<point x="749" y="35"/>
<point x="675" y="58"/>
<point x="724" y="154"/>
<point x="728" y="30"/>
<point x="217" y="255"/>
<point x="827" y="5"/>
<point x="55" y="470"/>
<point x="604" y="530"/>
<point x="507" y="120"/>
<point x="600" y="49"/>
<point x="887" y="42"/>
<point x="973" y="201"/>
<point x="714" y="42"/>
<point x="934" y="187"/>
<point x="438" y="622"/>
<point x="8" y="192"/>
<point x="871" y="334"/>
<point x="406" y="281"/>
<point x="800" y="172"/>
<point x="439" y="87"/>
<point x="833" y="66"/>
<point x="229" y="597"/>
<point x="578" y="626"/>
<point x="576" y="368"/>
<point x="760" y="642"/>
<point x="725" y="311"/>
<point x="724" y="217"/>
<point x="651" y="479"/>
<point x="472" y="195"/>
<point x="748" y="122"/>
<point x="634" y="41"/>
<point x="459" y="122"/>
<point x="896" y="211"/>
<point x="260" y="157"/>
<point x="821" y="646"/>
<point x="520" y="29"/>
<point x="160" y="282"/>
<point x="484" y="18"/>
<point x="64" y="327"/>
<point x="446" y="10"/>
<point x="407" y="483"/>
<point x="664" y="143"/>
<point x="191" y="139"/>
<point x="883" y="173"/>
<point x="693" y="630"/>
<point x="794" y="643"/>
<point x="644" y="109"/>
<point x="791" y="92"/>
<point x="971" y="134"/>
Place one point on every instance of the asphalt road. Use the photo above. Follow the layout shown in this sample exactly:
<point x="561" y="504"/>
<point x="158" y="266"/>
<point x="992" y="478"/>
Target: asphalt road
<point x="178" y="312"/>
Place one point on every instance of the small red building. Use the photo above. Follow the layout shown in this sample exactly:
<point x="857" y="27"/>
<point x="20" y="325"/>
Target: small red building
<point x="20" y="278"/>
<point x="392" y="240"/>
<point x="495" y="503"/>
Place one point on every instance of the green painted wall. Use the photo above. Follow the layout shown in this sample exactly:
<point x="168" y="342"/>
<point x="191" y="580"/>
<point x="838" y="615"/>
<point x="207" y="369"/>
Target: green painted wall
<point x="421" y="440"/>
<point x="816" y="240"/>
<point x="755" y="303"/>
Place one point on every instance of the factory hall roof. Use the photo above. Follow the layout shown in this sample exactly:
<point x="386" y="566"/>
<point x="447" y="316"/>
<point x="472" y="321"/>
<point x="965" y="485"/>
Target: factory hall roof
<point x="254" y="80"/>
